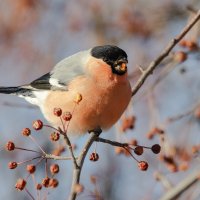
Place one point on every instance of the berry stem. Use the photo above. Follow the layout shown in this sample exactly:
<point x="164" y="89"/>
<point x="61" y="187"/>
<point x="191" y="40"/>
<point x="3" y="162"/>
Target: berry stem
<point x="66" y="127"/>
<point x="51" y="156"/>
<point x="63" y="125"/>
<point x="131" y="154"/>
<point x="19" y="148"/>
<point x="35" y="185"/>
<point x="113" y="143"/>
<point x="30" y="195"/>
<point x="49" y="126"/>
<point x="33" y="139"/>
<point x="46" y="168"/>
<point x="22" y="162"/>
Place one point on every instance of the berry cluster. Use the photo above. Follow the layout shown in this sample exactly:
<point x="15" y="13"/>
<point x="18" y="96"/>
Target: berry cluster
<point x="128" y="149"/>
<point x="49" y="181"/>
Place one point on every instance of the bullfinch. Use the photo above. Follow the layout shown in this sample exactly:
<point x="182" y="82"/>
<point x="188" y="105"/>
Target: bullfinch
<point x="99" y="75"/>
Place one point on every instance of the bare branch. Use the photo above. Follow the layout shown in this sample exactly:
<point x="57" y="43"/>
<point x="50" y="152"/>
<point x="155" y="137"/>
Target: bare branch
<point x="165" y="182"/>
<point x="182" y="115"/>
<point x="81" y="158"/>
<point x="182" y="186"/>
<point x="54" y="157"/>
<point x="164" y="54"/>
<point x="67" y="141"/>
<point x="113" y="143"/>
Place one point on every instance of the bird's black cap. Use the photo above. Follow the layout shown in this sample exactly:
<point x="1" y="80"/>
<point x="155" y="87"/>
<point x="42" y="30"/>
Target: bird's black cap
<point x="108" y="53"/>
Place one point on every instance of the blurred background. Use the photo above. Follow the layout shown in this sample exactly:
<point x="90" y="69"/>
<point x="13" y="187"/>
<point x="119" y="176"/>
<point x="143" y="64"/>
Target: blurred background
<point x="35" y="35"/>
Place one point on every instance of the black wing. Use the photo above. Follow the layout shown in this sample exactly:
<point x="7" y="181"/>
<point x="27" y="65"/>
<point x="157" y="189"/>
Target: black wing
<point x="42" y="82"/>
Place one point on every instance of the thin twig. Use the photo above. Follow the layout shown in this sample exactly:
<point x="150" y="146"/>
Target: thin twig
<point x="49" y="126"/>
<point x="46" y="170"/>
<point x="131" y="154"/>
<point x="30" y="150"/>
<point x="67" y="141"/>
<point x="164" y="54"/>
<point x="72" y="113"/>
<point x="30" y="195"/>
<point x="113" y="143"/>
<point x="163" y="179"/>
<point x="25" y="161"/>
<point x="33" y="139"/>
<point x="80" y="161"/>
<point x="66" y="138"/>
<point x="182" y="115"/>
<point x="51" y="156"/>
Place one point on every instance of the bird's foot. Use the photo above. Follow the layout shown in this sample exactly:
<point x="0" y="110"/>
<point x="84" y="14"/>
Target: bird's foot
<point x="97" y="130"/>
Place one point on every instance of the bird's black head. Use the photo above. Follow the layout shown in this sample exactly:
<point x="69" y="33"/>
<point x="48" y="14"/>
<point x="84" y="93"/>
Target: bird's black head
<point x="112" y="55"/>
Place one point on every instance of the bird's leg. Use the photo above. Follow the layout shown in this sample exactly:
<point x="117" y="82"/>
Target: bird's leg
<point x="96" y="130"/>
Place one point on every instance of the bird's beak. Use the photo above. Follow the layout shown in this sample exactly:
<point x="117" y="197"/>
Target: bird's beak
<point x="121" y="66"/>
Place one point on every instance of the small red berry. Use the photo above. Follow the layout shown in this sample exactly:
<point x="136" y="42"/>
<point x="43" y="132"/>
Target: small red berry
<point x="119" y="150"/>
<point x="10" y="146"/>
<point x="133" y="142"/>
<point x="138" y="150"/>
<point x="38" y="186"/>
<point x="156" y="148"/>
<point x="180" y="56"/>
<point x="128" y="123"/>
<point x="67" y="116"/>
<point x="12" y="165"/>
<point x="191" y="45"/>
<point x="26" y="131"/>
<point x="195" y="149"/>
<point x="31" y="168"/>
<point x="54" y="168"/>
<point x="143" y="165"/>
<point x="55" y="136"/>
<point x="183" y="43"/>
<point x="57" y="112"/>
<point x="197" y="112"/>
<point x="20" y="185"/>
<point x="53" y="183"/>
<point x="183" y="166"/>
<point x="45" y="182"/>
<point x="94" y="156"/>
<point x="93" y="179"/>
<point x="37" y="125"/>
<point x="154" y="131"/>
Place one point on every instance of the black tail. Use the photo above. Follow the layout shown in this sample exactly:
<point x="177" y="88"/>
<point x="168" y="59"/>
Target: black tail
<point x="15" y="91"/>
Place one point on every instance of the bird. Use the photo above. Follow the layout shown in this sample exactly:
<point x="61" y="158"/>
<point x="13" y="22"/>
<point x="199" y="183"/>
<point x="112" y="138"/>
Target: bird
<point x="98" y="74"/>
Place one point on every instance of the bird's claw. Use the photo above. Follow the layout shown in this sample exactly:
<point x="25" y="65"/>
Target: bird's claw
<point x="96" y="130"/>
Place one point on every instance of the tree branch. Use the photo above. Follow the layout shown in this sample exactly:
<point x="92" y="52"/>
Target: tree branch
<point x="80" y="160"/>
<point x="164" y="54"/>
<point x="67" y="141"/>
<point x="176" y="191"/>
<point x="113" y="143"/>
<point x="54" y="157"/>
